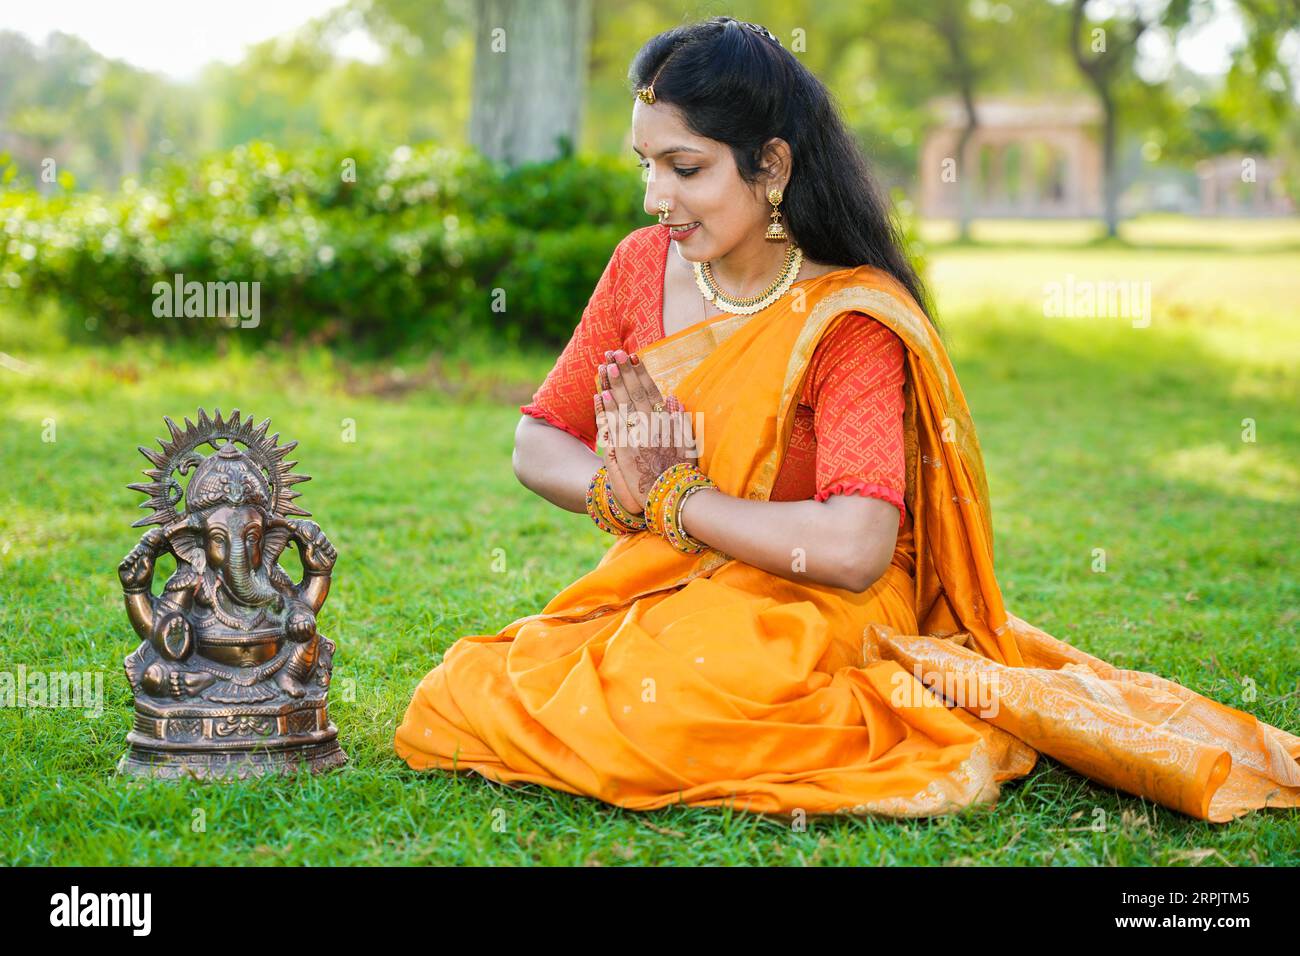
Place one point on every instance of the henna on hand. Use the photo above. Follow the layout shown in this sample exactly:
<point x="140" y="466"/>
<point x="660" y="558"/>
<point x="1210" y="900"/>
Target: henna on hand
<point x="613" y="469"/>
<point x="633" y="391"/>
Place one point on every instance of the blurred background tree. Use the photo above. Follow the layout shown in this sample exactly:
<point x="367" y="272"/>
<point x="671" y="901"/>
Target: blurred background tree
<point x="413" y="153"/>
<point x="392" y="72"/>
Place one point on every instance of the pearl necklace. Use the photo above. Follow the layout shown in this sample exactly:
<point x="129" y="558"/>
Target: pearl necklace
<point x="709" y="288"/>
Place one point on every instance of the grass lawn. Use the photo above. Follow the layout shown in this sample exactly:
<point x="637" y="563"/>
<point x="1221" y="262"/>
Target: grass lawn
<point x="1096" y="434"/>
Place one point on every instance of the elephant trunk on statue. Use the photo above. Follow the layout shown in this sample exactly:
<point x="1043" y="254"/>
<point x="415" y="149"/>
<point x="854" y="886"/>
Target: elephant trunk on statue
<point x="251" y="587"/>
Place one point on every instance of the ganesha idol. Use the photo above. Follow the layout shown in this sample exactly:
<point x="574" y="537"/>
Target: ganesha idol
<point x="232" y="674"/>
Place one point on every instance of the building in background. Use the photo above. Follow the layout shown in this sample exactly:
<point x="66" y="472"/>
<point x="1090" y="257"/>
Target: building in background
<point x="1028" y="158"/>
<point x="1032" y="158"/>
<point x="1238" y="185"/>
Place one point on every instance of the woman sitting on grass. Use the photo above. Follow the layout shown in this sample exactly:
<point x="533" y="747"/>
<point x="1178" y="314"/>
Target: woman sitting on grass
<point x="798" y="611"/>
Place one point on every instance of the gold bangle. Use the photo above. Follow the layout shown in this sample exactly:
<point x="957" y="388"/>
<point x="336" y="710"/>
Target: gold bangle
<point x="628" y="519"/>
<point x="658" y="490"/>
<point x="693" y="544"/>
<point x="605" y="510"/>
<point x="663" y="505"/>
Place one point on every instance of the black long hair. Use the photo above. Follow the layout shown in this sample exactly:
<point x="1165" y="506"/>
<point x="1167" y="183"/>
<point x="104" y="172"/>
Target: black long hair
<point x="735" y="83"/>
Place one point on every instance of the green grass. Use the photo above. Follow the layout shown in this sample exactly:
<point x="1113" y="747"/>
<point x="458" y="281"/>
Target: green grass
<point x="1096" y="435"/>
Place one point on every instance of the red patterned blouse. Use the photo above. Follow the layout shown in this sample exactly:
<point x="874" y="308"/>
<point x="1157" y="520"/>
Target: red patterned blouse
<point x="847" y="436"/>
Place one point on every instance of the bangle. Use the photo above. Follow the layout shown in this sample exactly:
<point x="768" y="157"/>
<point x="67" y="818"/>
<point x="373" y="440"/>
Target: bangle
<point x="695" y="544"/>
<point x="604" y="509"/>
<point x="663" y="505"/>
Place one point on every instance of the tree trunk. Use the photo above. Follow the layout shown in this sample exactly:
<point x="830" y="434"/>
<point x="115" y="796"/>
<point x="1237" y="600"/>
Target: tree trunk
<point x="964" y="191"/>
<point x="1099" y="71"/>
<point x="530" y="70"/>
<point x="1110" y="187"/>
<point x="952" y="28"/>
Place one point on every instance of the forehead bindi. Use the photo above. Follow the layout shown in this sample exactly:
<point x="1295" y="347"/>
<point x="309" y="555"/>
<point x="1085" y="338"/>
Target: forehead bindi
<point x="670" y="135"/>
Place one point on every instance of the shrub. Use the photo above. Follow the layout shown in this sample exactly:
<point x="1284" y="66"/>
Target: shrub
<point x="383" y="249"/>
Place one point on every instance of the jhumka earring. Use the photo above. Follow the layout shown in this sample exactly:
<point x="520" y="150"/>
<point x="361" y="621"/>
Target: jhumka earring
<point x="775" y="231"/>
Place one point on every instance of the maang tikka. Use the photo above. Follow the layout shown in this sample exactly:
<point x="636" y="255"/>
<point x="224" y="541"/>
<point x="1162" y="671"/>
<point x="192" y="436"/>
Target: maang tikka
<point x="647" y="93"/>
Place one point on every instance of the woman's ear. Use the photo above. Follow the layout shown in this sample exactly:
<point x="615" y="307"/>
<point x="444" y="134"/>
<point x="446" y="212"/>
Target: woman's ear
<point x="777" y="161"/>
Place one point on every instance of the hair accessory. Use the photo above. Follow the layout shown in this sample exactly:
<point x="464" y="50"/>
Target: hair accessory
<point x="647" y="93"/>
<point x="755" y="28"/>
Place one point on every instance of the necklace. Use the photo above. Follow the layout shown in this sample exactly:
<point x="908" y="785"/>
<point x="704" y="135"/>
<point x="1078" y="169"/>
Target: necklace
<point x="711" y="291"/>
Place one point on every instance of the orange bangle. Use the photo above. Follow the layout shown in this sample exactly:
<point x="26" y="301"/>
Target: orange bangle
<point x="663" y="505"/>
<point x="604" y="509"/>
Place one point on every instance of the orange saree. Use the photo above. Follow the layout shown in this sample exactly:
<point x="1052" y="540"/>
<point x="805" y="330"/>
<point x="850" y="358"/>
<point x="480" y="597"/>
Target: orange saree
<point x="660" y="678"/>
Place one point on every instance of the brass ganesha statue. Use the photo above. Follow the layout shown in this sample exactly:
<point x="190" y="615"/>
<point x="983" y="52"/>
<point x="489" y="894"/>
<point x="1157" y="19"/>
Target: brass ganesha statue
<point x="231" y="676"/>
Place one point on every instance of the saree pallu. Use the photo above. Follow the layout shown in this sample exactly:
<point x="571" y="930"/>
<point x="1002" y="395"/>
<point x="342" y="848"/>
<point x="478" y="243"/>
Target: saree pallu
<point x="661" y="678"/>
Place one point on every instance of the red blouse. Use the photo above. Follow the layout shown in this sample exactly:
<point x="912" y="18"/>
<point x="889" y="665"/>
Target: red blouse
<point x="847" y="436"/>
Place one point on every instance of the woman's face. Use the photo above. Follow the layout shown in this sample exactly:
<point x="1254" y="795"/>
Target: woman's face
<point x="699" y="179"/>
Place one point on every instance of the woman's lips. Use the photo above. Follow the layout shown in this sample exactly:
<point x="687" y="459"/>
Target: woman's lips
<point x="683" y="233"/>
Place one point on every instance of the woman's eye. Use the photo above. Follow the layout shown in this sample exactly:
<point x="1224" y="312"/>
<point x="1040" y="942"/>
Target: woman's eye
<point x="682" y="171"/>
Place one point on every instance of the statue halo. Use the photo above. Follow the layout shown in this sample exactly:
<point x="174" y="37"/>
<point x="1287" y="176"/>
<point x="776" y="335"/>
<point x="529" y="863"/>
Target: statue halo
<point x="180" y="453"/>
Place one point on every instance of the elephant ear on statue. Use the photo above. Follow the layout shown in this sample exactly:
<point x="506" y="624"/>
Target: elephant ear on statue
<point x="276" y="478"/>
<point x="186" y="539"/>
<point x="274" y="539"/>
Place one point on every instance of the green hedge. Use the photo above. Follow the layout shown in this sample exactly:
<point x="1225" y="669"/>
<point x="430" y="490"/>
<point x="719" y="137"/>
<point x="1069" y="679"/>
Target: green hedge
<point x="420" y="244"/>
<point x="377" y="248"/>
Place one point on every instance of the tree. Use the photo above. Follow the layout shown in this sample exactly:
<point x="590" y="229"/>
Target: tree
<point x="963" y="73"/>
<point x="964" y="49"/>
<point x="530" y="69"/>
<point x="1105" y="55"/>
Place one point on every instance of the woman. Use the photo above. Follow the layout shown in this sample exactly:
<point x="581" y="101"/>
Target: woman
<point x="798" y="612"/>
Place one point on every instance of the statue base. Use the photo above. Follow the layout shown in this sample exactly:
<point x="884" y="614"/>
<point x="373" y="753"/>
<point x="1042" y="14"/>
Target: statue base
<point x="219" y="741"/>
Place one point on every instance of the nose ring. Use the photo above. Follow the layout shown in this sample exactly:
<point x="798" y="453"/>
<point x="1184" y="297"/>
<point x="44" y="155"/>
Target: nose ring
<point x="663" y="211"/>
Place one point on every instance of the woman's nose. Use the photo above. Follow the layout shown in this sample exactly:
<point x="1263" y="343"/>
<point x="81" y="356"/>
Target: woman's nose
<point x="654" y="196"/>
<point x="658" y="206"/>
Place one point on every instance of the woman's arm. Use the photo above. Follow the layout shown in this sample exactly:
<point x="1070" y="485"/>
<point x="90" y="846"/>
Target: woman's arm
<point x="553" y="464"/>
<point x="845" y="541"/>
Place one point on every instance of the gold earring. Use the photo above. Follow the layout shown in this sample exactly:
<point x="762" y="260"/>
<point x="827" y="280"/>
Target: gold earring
<point x="663" y="212"/>
<point x="775" y="231"/>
